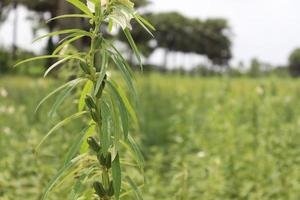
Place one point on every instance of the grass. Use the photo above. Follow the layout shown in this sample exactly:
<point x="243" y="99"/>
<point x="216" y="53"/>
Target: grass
<point x="212" y="138"/>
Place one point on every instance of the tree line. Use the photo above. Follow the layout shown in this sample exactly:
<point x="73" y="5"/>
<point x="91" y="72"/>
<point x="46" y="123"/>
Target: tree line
<point x="210" y="38"/>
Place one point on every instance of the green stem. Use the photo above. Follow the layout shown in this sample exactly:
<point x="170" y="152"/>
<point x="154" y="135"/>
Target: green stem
<point x="91" y="57"/>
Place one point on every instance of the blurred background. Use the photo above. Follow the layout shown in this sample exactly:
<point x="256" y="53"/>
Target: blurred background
<point x="219" y="98"/>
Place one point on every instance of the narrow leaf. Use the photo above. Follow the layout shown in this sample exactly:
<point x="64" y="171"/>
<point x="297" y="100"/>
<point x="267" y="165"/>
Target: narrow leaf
<point x="134" y="149"/>
<point x="60" y="99"/>
<point x="73" y="82"/>
<point x="133" y="46"/>
<point x="86" y="90"/>
<point x="56" y="64"/>
<point x="60" y="124"/>
<point x="84" y="147"/>
<point x="102" y="72"/>
<point x="122" y="110"/>
<point x="143" y="25"/>
<point x="61" y="46"/>
<point x="122" y="96"/>
<point x="76" y="145"/>
<point x="116" y="174"/>
<point x="125" y="74"/>
<point x="39" y="58"/>
<point x="145" y="21"/>
<point x="59" y="174"/>
<point x="75" y="31"/>
<point x="81" y="6"/>
<point x="104" y="132"/>
<point x="68" y="16"/>
<point x="135" y="188"/>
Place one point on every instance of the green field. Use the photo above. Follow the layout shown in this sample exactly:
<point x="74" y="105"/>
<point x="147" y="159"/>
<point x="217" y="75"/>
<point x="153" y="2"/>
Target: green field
<point x="210" y="139"/>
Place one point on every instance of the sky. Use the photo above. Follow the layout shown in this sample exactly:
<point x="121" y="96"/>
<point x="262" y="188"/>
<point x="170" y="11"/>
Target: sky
<point x="265" y="29"/>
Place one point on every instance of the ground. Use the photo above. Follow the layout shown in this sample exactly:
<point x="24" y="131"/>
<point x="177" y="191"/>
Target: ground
<point x="202" y="138"/>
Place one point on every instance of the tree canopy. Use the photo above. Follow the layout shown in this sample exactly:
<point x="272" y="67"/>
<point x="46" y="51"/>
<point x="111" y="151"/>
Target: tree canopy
<point x="176" y="32"/>
<point x="294" y="63"/>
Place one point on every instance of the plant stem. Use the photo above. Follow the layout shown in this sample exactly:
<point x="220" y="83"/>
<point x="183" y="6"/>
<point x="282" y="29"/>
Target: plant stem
<point x="91" y="62"/>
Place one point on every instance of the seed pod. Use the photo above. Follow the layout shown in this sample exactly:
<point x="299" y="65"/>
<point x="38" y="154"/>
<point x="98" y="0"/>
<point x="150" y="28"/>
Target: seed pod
<point x="93" y="144"/>
<point x="89" y="101"/>
<point x="101" y="159"/>
<point x="94" y="115"/>
<point x="111" y="191"/>
<point x="99" y="189"/>
<point x="108" y="161"/>
<point x="84" y="67"/>
<point x="99" y="94"/>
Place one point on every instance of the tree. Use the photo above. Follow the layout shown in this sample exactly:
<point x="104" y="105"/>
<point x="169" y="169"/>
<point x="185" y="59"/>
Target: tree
<point x="178" y="33"/>
<point x="255" y="68"/>
<point x="294" y="63"/>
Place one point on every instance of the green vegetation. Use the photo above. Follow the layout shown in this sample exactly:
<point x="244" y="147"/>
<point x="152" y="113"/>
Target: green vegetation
<point x="209" y="138"/>
<point x="102" y="104"/>
<point x="294" y="63"/>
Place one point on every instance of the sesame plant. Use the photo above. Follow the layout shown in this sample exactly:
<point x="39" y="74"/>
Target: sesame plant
<point x="96" y="159"/>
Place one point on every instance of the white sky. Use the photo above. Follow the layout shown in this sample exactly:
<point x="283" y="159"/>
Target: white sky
<point x="266" y="29"/>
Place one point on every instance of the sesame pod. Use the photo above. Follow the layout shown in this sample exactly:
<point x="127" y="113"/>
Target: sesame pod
<point x="111" y="191"/>
<point x="99" y="189"/>
<point x="99" y="94"/>
<point x="93" y="144"/>
<point x="97" y="61"/>
<point x="101" y="159"/>
<point x="89" y="101"/>
<point x="94" y="115"/>
<point x="84" y="67"/>
<point x="108" y="161"/>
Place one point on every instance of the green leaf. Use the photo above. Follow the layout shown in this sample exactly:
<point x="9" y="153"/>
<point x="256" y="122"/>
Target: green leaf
<point x="120" y="57"/>
<point x="102" y="73"/>
<point x="71" y="83"/>
<point x="104" y="132"/>
<point x="68" y="16"/>
<point x="143" y="25"/>
<point x="116" y="123"/>
<point x="132" y="146"/>
<point x="125" y="74"/>
<point x="59" y="174"/>
<point x="84" y="147"/>
<point x="76" y="145"/>
<point x="122" y="97"/>
<point x="133" y="46"/>
<point x="56" y="64"/>
<point x="135" y="188"/>
<point x="81" y="6"/>
<point x="74" y="31"/>
<point x="86" y="90"/>
<point x="61" y="46"/>
<point x="116" y="174"/>
<point x="60" y="124"/>
<point x="60" y="99"/>
<point x="145" y="21"/>
<point x="123" y="111"/>
<point x="39" y="58"/>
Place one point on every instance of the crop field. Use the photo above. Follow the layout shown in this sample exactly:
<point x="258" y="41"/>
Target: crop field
<point x="202" y="138"/>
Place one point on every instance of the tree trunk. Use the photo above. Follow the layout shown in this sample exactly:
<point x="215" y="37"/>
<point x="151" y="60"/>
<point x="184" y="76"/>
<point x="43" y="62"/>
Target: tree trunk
<point x="15" y="30"/>
<point x="64" y="8"/>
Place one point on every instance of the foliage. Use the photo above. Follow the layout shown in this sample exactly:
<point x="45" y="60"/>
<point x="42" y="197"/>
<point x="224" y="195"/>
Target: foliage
<point x="294" y="63"/>
<point x="101" y="97"/>
<point x="203" y="138"/>
<point x="175" y="33"/>
<point x="6" y="63"/>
